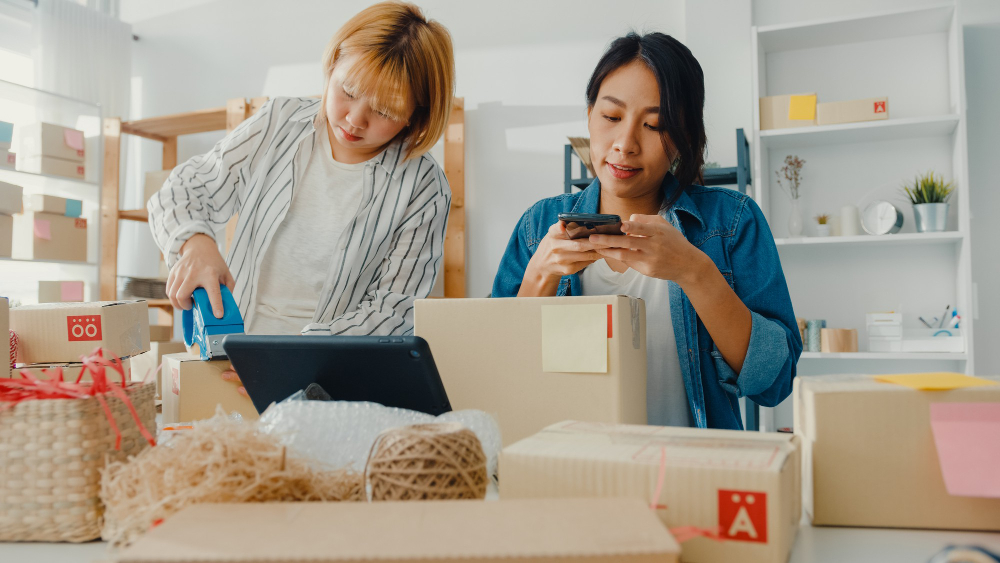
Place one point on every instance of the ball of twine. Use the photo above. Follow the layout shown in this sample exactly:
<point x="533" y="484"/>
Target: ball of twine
<point x="427" y="462"/>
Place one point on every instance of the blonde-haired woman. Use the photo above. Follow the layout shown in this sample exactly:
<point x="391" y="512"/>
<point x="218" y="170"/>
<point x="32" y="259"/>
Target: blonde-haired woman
<point x="342" y="213"/>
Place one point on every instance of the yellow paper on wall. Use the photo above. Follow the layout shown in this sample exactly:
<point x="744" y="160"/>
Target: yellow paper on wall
<point x="936" y="381"/>
<point x="802" y="107"/>
<point x="575" y="338"/>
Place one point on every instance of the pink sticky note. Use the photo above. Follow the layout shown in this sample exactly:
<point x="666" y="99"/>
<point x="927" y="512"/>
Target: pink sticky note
<point x="43" y="229"/>
<point x="73" y="138"/>
<point x="967" y="437"/>
<point x="72" y="291"/>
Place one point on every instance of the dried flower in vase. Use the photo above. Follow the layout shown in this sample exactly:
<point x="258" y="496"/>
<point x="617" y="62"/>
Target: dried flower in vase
<point x="792" y="174"/>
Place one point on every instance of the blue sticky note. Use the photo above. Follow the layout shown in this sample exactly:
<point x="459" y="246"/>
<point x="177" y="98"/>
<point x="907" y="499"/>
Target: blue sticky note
<point x="6" y="132"/>
<point x="74" y="208"/>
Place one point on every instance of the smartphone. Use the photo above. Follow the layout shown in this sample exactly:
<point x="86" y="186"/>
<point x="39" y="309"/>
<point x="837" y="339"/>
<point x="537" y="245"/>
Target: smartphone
<point x="582" y="225"/>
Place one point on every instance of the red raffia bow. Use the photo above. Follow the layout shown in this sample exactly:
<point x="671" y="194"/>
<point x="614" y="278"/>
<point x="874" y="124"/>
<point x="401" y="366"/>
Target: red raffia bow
<point x="680" y="533"/>
<point x="30" y="388"/>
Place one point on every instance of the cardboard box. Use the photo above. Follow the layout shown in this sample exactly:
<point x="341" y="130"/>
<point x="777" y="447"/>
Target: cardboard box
<point x="11" y="199"/>
<point x="870" y="457"/>
<point x="46" y="236"/>
<point x="154" y="182"/>
<point x="52" y="166"/>
<point x="70" y="371"/>
<point x="869" y="109"/>
<point x="46" y="139"/>
<point x="6" y="236"/>
<point x="63" y="332"/>
<point x="60" y="291"/>
<point x="192" y="388"/>
<point x="148" y="362"/>
<point x="40" y="203"/>
<point x="492" y="354"/>
<point x="8" y="159"/>
<point x="777" y="112"/>
<point x="5" y="341"/>
<point x="160" y="333"/>
<point x="745" y="484"/>
<point x="593" y="530"/>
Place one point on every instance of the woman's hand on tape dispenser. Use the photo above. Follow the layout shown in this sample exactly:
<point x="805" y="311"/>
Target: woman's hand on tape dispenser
<point x="230" y="375"/>
<point x="200" y="265"/>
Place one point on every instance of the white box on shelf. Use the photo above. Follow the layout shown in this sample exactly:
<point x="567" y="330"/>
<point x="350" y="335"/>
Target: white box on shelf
<point x="885" y="332"/>
<point x="933" y="340"/>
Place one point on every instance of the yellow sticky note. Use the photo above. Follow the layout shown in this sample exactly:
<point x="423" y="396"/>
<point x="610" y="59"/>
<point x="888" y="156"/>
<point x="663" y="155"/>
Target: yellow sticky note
<point x="937" y="381"/>
<point x="802" y="107"/>
<point x="575" y="338"/>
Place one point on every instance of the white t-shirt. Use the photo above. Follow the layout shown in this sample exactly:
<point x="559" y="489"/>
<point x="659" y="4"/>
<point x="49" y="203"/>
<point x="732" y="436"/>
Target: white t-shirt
<point x="666" y="398"/>
<point x="298" y="259"/>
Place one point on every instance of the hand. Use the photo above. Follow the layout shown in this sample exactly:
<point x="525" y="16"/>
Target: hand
<point x="654" y="248"/>
<point x="555" y="257"/>
<point x="200" y="265"/>
<point x="230" y="375"/>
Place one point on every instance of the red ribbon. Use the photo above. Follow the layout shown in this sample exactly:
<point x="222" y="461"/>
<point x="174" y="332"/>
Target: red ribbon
<point x="30" y="388"/>
<point x="680" y="533"/>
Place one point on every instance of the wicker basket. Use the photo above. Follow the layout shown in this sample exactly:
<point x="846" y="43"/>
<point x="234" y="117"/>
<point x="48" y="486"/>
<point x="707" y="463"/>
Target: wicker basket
<point x="51" y="455"/>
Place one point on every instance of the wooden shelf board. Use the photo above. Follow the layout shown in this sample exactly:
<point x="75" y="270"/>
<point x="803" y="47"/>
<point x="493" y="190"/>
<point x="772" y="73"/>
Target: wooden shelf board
<point x="948" y="237"/>
<point x="187" y="123"/>
<point x="134" y="215"/>
<point x="861" y="132"/>
<point x="949" y="356"/>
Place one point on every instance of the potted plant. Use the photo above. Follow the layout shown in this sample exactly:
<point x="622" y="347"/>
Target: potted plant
<point x="929" y="195"/>
<point x="822" y="225"/>
<point x="791" y="172"/>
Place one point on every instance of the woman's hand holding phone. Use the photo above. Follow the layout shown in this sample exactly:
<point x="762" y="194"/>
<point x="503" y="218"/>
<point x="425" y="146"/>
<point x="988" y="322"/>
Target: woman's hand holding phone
<point x="200" y="265"/>
<point x="556" y="256"/>
<point x="654" y="248"/>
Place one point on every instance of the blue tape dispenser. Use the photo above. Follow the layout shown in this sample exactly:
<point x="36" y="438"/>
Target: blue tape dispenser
<point x="202" y="328"/>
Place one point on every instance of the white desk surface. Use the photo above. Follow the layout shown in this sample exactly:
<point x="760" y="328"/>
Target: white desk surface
<point x="813" y="545"/>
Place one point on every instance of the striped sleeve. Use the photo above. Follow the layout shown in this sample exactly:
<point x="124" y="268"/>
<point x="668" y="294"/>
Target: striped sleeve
<point x="407" y="272"/>
<point x="202" y="194"/>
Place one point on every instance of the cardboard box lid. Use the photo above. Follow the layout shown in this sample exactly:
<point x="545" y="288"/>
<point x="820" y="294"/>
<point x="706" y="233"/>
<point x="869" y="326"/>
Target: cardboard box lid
<point x="528" y="531"/>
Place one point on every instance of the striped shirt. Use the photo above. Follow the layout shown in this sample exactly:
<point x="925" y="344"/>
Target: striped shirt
<point x="388" y="255"/>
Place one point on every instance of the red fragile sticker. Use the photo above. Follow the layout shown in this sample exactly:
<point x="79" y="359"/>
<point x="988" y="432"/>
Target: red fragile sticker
<point x="84" y="328"/>
<point x="880" y="107"/>
<point x="79" y="153"/>
<point x="80" y="224"/>
<point x="79" y="170"/>
<point x="743" y="515"/>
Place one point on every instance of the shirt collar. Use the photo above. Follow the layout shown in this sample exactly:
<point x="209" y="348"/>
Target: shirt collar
<point x="590" y="199"/>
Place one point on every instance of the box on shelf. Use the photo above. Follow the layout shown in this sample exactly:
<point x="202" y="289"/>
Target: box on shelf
<point x="160" y="333"/>
<point x="50" y="140"/>
<point x="8" y="159"/>
<point x="540" y="361"/>
<point x="6" y="134"/>
<point x="597" y="530"/>
<point x="154" y="181"/>
<point x="838" y="340"/>
<point x="71" y="370"/>
<point x="52" y="166"/>
<point x="11" y="198"/>
<point x="192" y="388"/>
<point x="885" y="332"/>
<point x="933" y="340"/>
<point x="870" y="457"/>
<point x="782" y="112"/>
<point x="745" y="484"/>
<point x="5" y="341"/>
<point x="63" y="332"/>
<point x="6" y="236"/>
<point x="869" y="109"/>
<point x="47" y="236"/>
<point x="60" y="291"/>
<point x="40" y="203"/>
<point x="148" y="362"/>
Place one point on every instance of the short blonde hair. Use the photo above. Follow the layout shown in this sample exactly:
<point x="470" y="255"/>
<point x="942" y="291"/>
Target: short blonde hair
<point x="396" y="51"/>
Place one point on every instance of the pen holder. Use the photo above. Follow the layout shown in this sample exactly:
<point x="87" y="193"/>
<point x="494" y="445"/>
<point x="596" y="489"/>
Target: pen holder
<point x="813" y="328"/>
<point x="933" y="340"/>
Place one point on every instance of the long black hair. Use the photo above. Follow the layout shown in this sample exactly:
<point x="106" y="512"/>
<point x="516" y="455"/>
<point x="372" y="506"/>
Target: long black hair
<point x="682" y="96"/>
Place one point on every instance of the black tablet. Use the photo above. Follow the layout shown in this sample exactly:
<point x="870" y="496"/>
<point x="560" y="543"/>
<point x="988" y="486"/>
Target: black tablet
<point x="394" y="371"/>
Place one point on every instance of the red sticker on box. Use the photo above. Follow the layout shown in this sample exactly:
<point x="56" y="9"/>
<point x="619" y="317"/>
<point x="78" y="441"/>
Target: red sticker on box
<point x="743" y="515"/>
<point x="84" y="328"/>
<point x="80" y="223"/>
<point x="79" y="153"/>
<point x="175" y="385"/>
<point x="79" y="170"/>
<point x="610" y="317"/>
<point x="880" y="107"/>
<point x="11" y="157"/>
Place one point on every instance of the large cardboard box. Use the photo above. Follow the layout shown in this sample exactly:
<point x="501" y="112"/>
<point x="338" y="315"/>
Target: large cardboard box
<point x="870" y="458"/>
<point x="11" y="198"/>
<point x="537" y="361"/>
<point x="47" y="139"/>
<point x="746" y="485"/>
<point x="154" y="182"/>
<point x="52" y="166"/>
<point x="47" y="236"/>
<point x="869" y="109"/>
<point x="71" y="370"/>
<point x="148" y="362"/>
<point x="6" y="236"/>
<point x="5" y="341"/>
<point x="592" y="530"/>
<point x="192" y="388"/>
<point x="60" y="291"/>
<point x="64" y="332"/>
<point x="41" y="203"/>
<point x="778" y="112"/>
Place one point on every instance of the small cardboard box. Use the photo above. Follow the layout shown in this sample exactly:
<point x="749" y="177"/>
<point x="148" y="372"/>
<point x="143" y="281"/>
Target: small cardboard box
<point x="6" y="236"/>
<point x="11" y="201"/>
<point x="870" y="458"/>
<point x="160" y="333"/>
<point x="869" y="109"/>
<point x="60" y="291"/>
<point x="192" y="388"/>
<point x="47" y="236"/>
<point x="5" y="341"/>
<point x="154" y="182"/>
<point x="64" y="332"/>
<point x="8" y="159"/>
<point x="47" y="139"/>
<point x="507" y="356"/>
<point x="41" y="203"/>
<point x="70" y="371"/>
<point x="778" y="112"/>
<point x="746" y="485"/>
<point x="462" y="531"/>
<point x="149" y="361"/>
<point x="52" y="166"/>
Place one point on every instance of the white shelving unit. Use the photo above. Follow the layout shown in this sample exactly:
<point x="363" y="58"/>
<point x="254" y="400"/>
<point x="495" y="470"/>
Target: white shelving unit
<point x="915" y="58"/>
<point x="21" y="105"/>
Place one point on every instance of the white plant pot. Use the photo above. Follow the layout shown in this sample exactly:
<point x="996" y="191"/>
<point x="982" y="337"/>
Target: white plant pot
<point x="822" y="230"/>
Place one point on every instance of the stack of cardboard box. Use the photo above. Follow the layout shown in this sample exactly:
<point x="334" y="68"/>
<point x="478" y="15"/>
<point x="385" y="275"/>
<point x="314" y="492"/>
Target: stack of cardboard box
<point x="45" y="148"/>
<point x="60" y="291"/>
<point x="804" y="110"/>
<point x="10" y="203"/>
<point x="7" y="158"/>
<point x="52" y="228"/>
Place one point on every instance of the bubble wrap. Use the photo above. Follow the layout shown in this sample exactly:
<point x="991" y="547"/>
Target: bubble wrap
<point x="340" y="434"/>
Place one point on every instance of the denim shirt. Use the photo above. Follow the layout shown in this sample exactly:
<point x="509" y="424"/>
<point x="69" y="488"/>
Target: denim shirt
<point x="730" y="228"/>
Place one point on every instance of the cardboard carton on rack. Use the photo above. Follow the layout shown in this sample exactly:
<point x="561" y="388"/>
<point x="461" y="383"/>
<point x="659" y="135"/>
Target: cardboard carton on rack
<point x="47" y="236"/>
<point x="41" y="203"/>
<point x="49" y="140"/>
<point x="11" y="198"/>
<point x="60" y="291"/>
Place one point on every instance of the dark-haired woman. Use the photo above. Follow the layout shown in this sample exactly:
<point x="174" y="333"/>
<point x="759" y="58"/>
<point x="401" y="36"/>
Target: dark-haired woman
<point x="719" y="318"/>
